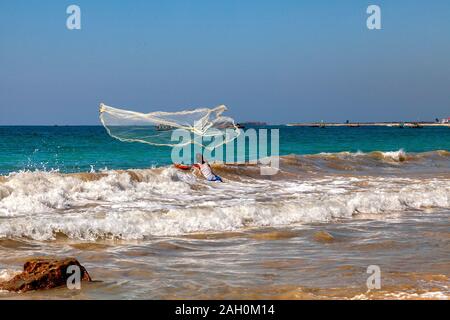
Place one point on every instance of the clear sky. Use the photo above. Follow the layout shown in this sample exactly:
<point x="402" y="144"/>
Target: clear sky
<point x="275" y="61"/>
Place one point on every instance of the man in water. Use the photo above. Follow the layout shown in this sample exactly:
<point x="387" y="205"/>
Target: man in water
<point x="204" y="168"/>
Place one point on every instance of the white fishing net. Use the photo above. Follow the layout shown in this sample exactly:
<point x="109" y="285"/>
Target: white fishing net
<point x="206" y="126"/>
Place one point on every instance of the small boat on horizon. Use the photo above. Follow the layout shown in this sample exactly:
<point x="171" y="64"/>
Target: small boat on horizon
<point x="163" y="127"/>
<point x="416" y="125"/>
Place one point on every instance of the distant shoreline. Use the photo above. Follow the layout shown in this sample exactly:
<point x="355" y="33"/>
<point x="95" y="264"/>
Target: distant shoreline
<point x="295" y="124"/>
<point x="368" y="124"/>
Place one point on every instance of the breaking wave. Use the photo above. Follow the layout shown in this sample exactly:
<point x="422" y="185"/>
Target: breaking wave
<point x="137" y="204"/>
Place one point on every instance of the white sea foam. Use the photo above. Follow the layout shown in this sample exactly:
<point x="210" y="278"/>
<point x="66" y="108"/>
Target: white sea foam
<point x="39" y="205"/>
<point x="398" y="155"/>
<point x="394" y="155"/>
<point x="400" y="295"/>
<point x="8" y="274"/>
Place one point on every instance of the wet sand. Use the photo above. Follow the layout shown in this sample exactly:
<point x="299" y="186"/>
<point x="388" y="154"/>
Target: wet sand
<point x="309" y="261"/>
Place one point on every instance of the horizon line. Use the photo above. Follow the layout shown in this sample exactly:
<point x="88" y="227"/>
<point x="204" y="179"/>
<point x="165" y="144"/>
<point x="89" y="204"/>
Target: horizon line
<point x="250" y="122"/>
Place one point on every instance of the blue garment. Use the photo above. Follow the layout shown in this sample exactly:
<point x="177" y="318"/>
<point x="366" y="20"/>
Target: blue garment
<point x="216" y="178"/>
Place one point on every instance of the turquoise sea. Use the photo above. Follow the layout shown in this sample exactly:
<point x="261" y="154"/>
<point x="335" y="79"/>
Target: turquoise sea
<point x="86" y="148"/>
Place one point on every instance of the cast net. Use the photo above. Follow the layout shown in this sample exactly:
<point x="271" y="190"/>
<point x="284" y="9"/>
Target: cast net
<point x="206" y="126"/>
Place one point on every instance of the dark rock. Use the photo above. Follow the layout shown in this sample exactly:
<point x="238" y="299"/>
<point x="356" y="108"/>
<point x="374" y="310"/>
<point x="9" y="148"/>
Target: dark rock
<point x="40" y="274"/>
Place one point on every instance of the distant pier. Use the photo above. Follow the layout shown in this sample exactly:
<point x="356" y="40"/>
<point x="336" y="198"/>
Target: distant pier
<point x="370" y="124"/>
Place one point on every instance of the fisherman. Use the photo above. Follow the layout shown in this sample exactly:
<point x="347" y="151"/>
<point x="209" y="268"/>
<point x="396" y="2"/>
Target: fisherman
<point x="203" y="166"/>
<point x="205" y="169"/>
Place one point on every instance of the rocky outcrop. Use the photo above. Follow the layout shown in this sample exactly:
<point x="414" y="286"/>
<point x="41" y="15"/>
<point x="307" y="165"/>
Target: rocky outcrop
<point x="40" y="274"/>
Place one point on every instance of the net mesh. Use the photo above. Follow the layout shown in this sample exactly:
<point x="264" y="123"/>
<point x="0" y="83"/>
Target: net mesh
<point x="156" y="128"/>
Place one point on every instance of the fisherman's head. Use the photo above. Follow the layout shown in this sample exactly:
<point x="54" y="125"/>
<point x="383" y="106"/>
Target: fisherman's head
<point x="200" y="158"/>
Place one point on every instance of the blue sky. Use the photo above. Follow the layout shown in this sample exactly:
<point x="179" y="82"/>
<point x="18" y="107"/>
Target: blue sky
<point x="275" y="61"/>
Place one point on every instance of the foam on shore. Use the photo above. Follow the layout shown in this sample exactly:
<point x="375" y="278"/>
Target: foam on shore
<point x="137" y="204"/>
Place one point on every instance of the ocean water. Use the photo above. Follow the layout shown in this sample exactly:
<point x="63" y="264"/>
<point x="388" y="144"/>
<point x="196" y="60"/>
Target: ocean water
<point x="81" y="149"/>
<point x="344" y="199"/>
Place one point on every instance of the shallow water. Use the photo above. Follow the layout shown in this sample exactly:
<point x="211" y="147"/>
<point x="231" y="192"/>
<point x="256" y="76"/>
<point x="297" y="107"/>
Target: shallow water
<point x="297" y="262"/>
